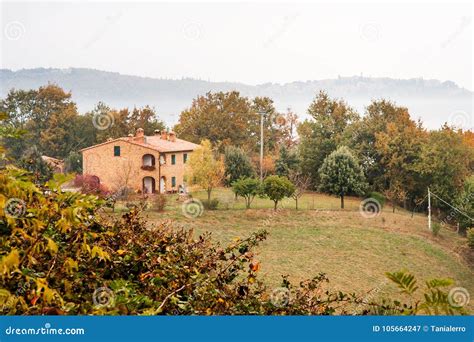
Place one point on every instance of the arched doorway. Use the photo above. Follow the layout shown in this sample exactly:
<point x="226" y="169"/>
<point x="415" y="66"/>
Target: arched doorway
<point x="148" y="185"/>
<point x="162" y="184"/>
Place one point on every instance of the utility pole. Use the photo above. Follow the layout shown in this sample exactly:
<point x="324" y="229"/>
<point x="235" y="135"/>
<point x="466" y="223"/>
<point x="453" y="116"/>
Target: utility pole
<point x="262" y="115"/>
<point x="429" y="209"/>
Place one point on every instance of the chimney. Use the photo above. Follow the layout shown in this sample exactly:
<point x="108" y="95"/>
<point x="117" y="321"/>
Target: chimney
<point x="172" y="136"/>
<point x="130" y="136"/>
<point x="164" y="135"/>
<point x="140" y="135"/>
<point x="157" y="132"/>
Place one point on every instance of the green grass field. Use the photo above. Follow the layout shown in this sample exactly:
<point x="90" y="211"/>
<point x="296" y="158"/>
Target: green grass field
<point x="354" y="251"/>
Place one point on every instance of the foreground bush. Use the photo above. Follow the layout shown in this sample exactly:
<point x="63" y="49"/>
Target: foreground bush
<point x="58" y="255"/>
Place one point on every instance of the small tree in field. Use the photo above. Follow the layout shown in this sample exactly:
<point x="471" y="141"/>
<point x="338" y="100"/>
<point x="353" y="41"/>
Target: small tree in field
<point x="248" y="188"/>
<point x="301" y="182"/>
<point x="204" y="170"/>
<point x="276" y="188"/>
<point x="341" y="174"/>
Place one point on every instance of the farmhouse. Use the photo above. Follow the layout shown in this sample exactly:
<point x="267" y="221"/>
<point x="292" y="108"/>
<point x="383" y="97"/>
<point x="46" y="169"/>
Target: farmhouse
<point x="148" y="164"/>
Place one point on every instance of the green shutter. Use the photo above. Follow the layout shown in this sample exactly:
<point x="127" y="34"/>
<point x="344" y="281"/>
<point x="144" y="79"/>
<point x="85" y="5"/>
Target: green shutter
<point x="173" y="182"/>
<point x="173" y="159"/>
<point x="185" y="158"/>
<point x="116" y="151"/>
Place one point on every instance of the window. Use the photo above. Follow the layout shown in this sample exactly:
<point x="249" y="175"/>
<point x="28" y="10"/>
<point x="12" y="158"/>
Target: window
<point x="173" y="159"/>
<point x="173" y="182"/>
<point x="185" y="158"/>
<point x="116" y="151"/>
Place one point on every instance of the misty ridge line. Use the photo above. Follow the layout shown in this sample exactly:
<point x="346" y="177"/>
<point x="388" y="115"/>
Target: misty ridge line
<point x="5" y="72"/>
<point x="433" y="101"/>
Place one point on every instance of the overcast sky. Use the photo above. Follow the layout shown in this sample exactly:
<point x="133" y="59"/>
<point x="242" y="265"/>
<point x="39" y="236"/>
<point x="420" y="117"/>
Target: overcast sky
<point x="250" y="43"/>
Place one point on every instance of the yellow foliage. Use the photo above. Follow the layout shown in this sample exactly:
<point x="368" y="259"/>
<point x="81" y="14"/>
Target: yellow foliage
<point x="70" y="265"/>
<point x="204" y="169"/>
<point x="10" y="262"/>
<point x="99" y="253"/>
<point x="43" y="290"/>
<point x="52" y="247"/>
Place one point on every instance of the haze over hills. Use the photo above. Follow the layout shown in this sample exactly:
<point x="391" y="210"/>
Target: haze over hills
<point x="433" y="101"/>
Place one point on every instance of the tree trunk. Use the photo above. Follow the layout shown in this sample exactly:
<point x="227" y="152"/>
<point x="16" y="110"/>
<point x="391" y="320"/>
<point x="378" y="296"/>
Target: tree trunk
<point x="275" y="207"/>
<point x="296" y="200"/>
<point x="342" y="201"/>
<point x="209" y="195"/>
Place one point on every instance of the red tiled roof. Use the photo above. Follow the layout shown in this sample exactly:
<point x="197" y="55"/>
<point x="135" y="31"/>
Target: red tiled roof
<point x="155" y="143"/>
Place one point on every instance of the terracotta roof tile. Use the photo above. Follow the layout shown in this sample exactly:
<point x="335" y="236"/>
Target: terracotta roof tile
<point x="155" y="143"/>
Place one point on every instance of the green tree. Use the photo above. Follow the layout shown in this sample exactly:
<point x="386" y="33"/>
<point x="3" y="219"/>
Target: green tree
<point x="47" y="115"/>
<point x="33" y="162"/>
<point x="444" y="164"/>
<point x="110" y="123"/>
<point x="286" y="163"/>
<point x="204" y="170"/>
<point x="388" y="144"/>
<point x="73" y="163"/>
<point x="465" y="203"/>
<point x="341" y="174"/>
<point x="327" y="129"/>
<point x="276" y="188"/>
<point x="237" y="165"/>
<point x="247" y="188"/>
<point x="145" y="118"/>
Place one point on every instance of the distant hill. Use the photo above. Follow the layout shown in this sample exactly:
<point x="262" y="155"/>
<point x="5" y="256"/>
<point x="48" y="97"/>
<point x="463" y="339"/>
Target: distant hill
<point x="431" y="100"/>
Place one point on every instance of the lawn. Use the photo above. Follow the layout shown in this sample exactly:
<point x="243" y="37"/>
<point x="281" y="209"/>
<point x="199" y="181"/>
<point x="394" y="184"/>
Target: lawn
<point x="354" y="251"/>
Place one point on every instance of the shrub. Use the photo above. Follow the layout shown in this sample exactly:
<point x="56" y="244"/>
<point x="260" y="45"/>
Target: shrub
<point x="470" y="237"/>
<point x="211" y="204"/>
<point x="90" y="185"/>
<point x="160" y="202"/>
<point x="276" y="188"/>
<point x="378" y="197"/>
<point x="248" y="188"/>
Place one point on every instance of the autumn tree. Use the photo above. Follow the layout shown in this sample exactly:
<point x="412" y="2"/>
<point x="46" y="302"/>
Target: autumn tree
<point x="47" y="115"/>
<point x="326" y="130"/>
<point x="222" y="118"/>
<point x="231" y="119"/>
<point x="388" y="144"/>
<point x="204" y="169"/>
<point x="341" y="174"/>
<point x="145" y="118"/>
<point x="444" y="163"/>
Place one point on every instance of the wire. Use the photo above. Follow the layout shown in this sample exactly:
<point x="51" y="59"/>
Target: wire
<point x="459" y="211"/>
